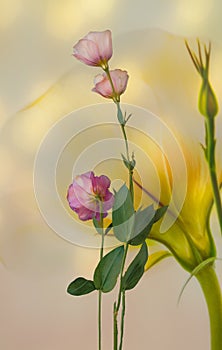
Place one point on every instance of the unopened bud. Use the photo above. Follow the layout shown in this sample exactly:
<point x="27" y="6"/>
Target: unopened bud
<point x="208" y="105"/>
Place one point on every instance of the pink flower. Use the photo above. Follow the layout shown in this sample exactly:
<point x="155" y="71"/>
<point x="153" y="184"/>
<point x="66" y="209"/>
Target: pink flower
<point x="88" y="193"/>
<point x="95" y="49"/>
<point x="103" y="85"/>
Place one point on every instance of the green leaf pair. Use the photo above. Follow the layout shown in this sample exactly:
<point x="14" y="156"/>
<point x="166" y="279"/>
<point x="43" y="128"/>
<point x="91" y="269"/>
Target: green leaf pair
<point x="105" y="275"/>
<point x="130" y="226"/>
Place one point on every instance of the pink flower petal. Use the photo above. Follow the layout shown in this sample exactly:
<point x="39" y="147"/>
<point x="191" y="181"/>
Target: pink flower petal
<point x="103" y="85"/>
<point x="95" y="49"/>
<point x="100" y="185"/>
<point x="88" y="193"/>
<point x="104" y="43"/>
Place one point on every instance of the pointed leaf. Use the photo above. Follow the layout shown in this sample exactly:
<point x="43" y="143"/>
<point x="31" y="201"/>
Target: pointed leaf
<point x="195" y="272"/>
<point x="81" y="286"/>
<point x="125" y="161"/>
<point x="109" y="228"/>
<point x="160" y="212"/>
<point x="97" y="226"/>
<point x="136" y="269"/>
<point x="108" y="269"/>
<point x="129" y="164"/>
<point x="143" y="223"/>
<point x="123" y="214"/>
<point x="156" y="257"/>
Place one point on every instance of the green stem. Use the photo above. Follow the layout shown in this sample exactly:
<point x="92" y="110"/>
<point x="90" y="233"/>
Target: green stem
<point x="99" y="319"/>
<point x="128" y="159"/>
<point x="121" y="294"/>
<point x="115" y="97"/>
<point x="210" y="155"/>
<point x="125" y="139"/>
<point x="122" y="319"/>
<point x="115" y="328"/>
<point x="117" y="306"/>
<point x="100" y="292"/>
<point x="211" y="288"/>
<point x="116" y="100"/>
<point x="121" y="276"/>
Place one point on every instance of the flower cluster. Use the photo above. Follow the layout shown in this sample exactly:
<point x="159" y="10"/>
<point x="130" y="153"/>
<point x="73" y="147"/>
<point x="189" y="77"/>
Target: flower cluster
<point x="95" y="49"/>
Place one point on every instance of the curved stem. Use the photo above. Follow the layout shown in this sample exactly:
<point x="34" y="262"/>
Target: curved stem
<point x="210" y="155"/>
<point x="211" y="288"/>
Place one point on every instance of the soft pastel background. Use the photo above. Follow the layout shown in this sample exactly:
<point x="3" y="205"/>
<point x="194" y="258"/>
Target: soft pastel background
<point x="36" y="65"/>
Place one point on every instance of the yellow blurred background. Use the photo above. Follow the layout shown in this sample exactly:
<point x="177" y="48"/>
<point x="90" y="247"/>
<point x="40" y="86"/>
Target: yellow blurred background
<point x="40" y="84"/>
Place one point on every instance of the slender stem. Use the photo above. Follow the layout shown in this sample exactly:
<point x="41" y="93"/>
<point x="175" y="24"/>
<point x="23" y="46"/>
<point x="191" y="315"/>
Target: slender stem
<point x="115" y="97"/>
<point x="102" y="244"/>
<point x="116" y="100"/>
<point x="99" y="319"/>
<point x="128" y="158"/>
<point x="211" y="288"/>
<point x="122" y="319"/>
<point x="125" y="138"/>
<point x="121" y="294"/>
<point x="117" y="306"/>
<point x="115" y="328"/>
<point x="121" y="276"/>
<point x="210" y="155"/>
<point x="100" y="292"/>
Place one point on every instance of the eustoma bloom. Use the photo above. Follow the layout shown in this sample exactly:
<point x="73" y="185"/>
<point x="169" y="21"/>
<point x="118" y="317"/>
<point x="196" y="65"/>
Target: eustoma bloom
<point x="95" y="49"/>
<point x="104" y="87"/>
<point x="89" y="194"/>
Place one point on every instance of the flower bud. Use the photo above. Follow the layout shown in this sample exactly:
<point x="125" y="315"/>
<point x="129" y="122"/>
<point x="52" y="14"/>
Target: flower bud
<point x="208" y="105"/>
<point x="114" y="88"/>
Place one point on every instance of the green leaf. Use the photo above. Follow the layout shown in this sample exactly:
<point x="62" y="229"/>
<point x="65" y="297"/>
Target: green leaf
<point x="120" y="115"/>
<point x="136" y="269"/>
<point x="97" y="226"/>
<point x="108" y="270"/>
<point x="143" y="223"/>
<point x="109" y="228"/>
<point x="156" y="257"/>
<point x="160" y="212"/>
<point x="81" y="286"/>
<point x="125" y="161"/>
<point x="195" y="272"/>
<point x="130" y="165"/>
<point x="123" y="214"/>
